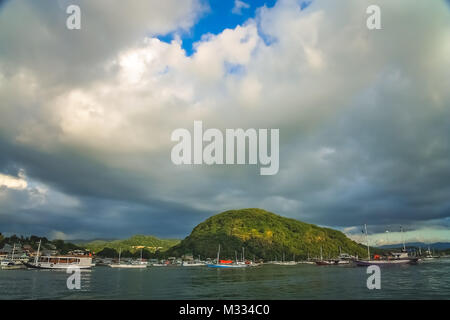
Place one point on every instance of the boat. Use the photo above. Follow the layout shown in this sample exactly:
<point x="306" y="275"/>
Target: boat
<point x="193" y="264"/>
<point x="161" y="264"/>
<point x="11" y="264"/>
<point x="228" y="263"/>
<point x="344" y="258"/>
<point x="307" y="261"/>
<point x="7" y="264"/>
<point x="429" y="255"/>
<point x="395" y="258"/>
<point x="323" y="262"/>
<point x="132" y="265"/>
<point x="129" y="266"/>
<point x="286" y="263"/>
<point x="59" y="262"/>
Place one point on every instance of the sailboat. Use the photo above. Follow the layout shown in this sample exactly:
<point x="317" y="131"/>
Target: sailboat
<point x="344" y="258"/>
<point x="307" y="261"/>
<point x="429" y="255"/>
<point x="226" y="263"/>
<point x="323" y="262"/>
<point x="134" y="265"/>
<point x="11" y="264"/>
<point x="395" y="258"/>
<point x="287" y="263"/>
<point x="195" y="263"/>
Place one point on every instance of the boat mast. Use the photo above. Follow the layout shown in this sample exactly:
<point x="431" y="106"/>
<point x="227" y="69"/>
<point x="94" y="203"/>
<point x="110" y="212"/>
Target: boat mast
<point x="37" y="254"/>
<point x="243" y="259"/>
<point x="321" y="257"/>
<point x="403" y="239"/>
<point x="120" y="251"/>
<point x="14" y="249"/>
<point x="367" y="238"/>
<point x="218" y="252"/>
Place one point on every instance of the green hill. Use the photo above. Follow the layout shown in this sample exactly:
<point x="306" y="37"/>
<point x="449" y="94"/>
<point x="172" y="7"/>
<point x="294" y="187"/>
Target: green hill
<point x="263" y="235"/>
<point x="133" y="244"/>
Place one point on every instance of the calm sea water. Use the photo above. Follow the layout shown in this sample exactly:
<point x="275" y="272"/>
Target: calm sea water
<point x="428" y="280"/>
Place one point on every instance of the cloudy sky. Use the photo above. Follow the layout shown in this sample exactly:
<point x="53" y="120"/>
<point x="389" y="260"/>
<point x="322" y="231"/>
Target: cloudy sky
<point x="86" y="115"/>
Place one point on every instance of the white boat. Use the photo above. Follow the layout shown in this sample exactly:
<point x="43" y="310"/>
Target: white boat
<point x="323" y="262"/>
<point x="429" y="255"/>
<point x="286" y="263"/>
<point x="7" y="264"/>
<point x="133" y="265"/>
<point x="160" y="264"/>
<point x="128" y="266"/>
<point x="193" y="264"/>
<point x="11" y="264"/>
<point x="59" y="262"/>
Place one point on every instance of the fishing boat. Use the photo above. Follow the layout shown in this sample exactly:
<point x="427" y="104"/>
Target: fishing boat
<point x="59" y="262"/>
<point x="395" y="258"/>
<point x="132" y="265"/>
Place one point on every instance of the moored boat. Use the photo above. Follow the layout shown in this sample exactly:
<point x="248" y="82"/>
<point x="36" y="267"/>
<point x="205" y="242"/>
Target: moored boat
<point x="429" y="255"/>
<point x="59" y="262"/>
<point x="395" y="258"/>
<point x="193" y="264"/>
<point x="132" y="265"/>
<point x="228" y="263"/>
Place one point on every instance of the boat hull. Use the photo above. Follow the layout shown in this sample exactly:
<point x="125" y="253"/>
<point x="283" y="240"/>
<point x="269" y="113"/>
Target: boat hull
<point x="50" y="266"/>
<point x="193" y="265"/>
<point x="325" y="263"/>
<point x="228" y="265"/>
<point x="365" y="263"/>
<point x="129" y="266"/>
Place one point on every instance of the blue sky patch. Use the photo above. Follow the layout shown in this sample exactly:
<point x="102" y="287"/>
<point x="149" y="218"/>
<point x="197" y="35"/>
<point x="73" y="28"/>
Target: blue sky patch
<point x="220" y="16"/>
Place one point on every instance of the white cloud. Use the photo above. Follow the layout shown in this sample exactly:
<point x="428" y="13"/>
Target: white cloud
<point x="238" y="6"/>
<point x="10" y="182"/>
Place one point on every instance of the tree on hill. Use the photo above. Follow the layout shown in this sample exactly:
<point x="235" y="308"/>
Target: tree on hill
<point x="107" y="253"/>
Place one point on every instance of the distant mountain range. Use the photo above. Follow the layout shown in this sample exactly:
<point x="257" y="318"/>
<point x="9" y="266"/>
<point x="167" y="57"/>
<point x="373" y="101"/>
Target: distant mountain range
<point x="436" y="245"/>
